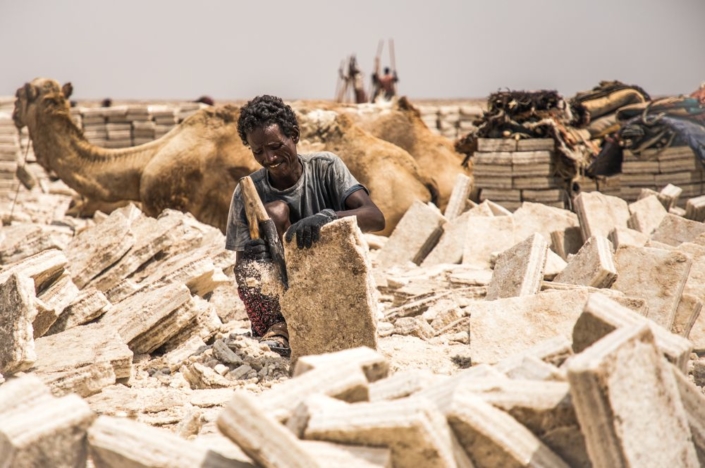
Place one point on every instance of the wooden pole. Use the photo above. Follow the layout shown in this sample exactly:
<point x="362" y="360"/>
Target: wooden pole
<point x="392" y="59"/>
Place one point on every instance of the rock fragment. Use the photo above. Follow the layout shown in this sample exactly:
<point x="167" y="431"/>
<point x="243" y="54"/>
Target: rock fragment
<point x="17" y="309"/>
<point x="656" y="275"/>
<point x="414" y="237"/>
<point x="95" y="249"/>
<point x="371" y="362"/>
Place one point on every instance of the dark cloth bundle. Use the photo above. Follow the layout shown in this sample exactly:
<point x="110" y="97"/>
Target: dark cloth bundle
<point x="604" y="99"/>
<point x="657" y="125"/>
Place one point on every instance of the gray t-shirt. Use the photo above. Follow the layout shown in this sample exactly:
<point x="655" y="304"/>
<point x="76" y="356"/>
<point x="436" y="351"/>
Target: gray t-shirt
<point x="325" y="183"/>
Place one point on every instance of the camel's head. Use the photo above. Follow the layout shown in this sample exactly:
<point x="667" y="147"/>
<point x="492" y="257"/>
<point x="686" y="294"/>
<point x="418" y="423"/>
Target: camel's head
<point x="41" y="95"/>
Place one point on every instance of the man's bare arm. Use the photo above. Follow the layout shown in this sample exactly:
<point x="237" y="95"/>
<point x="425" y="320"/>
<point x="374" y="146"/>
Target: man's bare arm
<point x="369" y="216"/>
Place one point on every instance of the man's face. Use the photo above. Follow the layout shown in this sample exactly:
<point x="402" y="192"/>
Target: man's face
<point x="275" y="151"/>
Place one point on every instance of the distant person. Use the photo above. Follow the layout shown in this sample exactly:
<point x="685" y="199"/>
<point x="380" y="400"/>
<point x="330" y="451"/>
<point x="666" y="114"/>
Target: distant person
<point x="356" y="75"/>
<point x="107" y="102"/>
<point x="205" y="100"/>
<point x="384" y="85"/>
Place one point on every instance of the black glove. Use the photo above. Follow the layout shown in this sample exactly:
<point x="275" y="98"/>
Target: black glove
<point x="256" y="249"/>
<point x="308" y="230"/>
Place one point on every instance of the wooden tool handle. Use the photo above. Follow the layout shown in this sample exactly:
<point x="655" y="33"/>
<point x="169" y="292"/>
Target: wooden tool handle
<point x="254" y="208"/>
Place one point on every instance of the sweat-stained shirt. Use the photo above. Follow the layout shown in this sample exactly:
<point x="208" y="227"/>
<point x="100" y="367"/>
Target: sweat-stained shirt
<point x="325" y="183"/>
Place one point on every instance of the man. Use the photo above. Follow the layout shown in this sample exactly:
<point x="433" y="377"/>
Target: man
<point x="385" y="84"/>
<point x="301" y="193"/>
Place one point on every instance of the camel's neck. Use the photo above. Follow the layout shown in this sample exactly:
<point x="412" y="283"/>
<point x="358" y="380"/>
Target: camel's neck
<point x="94" y="172"/>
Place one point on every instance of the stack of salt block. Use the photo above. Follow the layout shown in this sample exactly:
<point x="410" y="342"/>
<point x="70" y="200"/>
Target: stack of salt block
<point x="142" y="124"/>
<point x="655" y="169"/>
<point x="119" y="127"/>
<point x="429" y="115"/>
<point x="9" y="153"/>
<point x="467" y="115"/>
<point x="448" y="118"/>
<point x="164" y="119"/>
<point x="7" y="103"/>
<point x="94" y="128"/>
<point x="510" y="172"/>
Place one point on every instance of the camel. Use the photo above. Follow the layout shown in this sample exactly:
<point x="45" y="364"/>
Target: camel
<point x="402" y="126"/>
<point x="194" y="168"/>
<point x="389" y="173"/>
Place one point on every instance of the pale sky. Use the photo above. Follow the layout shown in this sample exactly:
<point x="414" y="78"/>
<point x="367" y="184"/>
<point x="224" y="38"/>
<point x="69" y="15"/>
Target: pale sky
<point x="234" y="49"/>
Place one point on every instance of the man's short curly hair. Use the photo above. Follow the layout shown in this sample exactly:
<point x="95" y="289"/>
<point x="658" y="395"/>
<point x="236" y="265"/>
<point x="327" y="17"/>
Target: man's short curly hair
<point x="263" y="111"/>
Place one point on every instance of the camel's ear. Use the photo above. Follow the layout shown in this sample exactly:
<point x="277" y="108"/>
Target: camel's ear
<point x="67" y="90"/>
<point x="30" y="91"/>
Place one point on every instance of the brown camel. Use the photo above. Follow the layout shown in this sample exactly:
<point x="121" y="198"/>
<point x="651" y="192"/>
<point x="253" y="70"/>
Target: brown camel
<point x="402" y="126"/>
<point x="194" y="168"/>
<point x="390" y="173"/>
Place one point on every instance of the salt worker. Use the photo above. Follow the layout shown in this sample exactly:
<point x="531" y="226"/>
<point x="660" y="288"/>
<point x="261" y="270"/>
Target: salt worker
<point x="300" y="192"/>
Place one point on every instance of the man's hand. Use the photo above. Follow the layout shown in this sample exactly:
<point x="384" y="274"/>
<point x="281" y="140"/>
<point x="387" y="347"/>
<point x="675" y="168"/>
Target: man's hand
<point x="256" y="249"/>
<point x="308" y="230"/>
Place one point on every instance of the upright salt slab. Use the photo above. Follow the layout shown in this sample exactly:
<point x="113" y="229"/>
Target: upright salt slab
<point x="414" y="237"/>
<point x="695" y="209"/>
<point x="593" y="265"/>
<point x="450" y="245"/>
<point x="501" y="328"/>
<point x="603" y="315"/>
<point x="50" y="432"/>
<point x="331" y="302"/>
<point x="674" y="230"/>
<point x="18" y="311"/>
<point x="656" y="275"/>
<point x="687" y="313"/>
<point x="97" y="248"/>
<point x="599" y="214"/>
<point x="670" y="195"/>
<point x="485" y="236"/>
<point x="628" y="403"/>
<point x="646" y="214"/>
<point x="461" y="192"/>
<point x="452" y="242"/>
<point x="519" y="270"/>
<point x="567" y="241"/>
<point x="625" y="236"/>
<point x="537" y="217"/>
